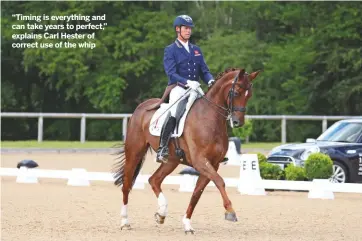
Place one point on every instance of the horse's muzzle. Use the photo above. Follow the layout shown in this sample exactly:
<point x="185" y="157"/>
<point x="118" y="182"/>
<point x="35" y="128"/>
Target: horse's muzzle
<point x="237" y="123"/>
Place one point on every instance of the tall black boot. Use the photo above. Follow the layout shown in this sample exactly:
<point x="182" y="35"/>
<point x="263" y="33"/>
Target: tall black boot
<point x="162" y="152"/>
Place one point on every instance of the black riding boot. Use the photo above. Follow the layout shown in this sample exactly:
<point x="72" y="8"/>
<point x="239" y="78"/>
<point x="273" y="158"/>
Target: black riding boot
<point x="162" y="152"/>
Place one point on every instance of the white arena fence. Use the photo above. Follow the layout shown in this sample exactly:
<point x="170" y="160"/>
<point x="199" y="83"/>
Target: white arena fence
<point x="249" y="181"/>
<point x="124" y="117"/>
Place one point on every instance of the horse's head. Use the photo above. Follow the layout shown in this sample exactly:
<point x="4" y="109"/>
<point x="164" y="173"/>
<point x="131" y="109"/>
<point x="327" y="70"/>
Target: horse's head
<point x="236" y="90"/>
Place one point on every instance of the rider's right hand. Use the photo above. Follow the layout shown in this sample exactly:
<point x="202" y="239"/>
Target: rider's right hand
<point x="193" y="84"/>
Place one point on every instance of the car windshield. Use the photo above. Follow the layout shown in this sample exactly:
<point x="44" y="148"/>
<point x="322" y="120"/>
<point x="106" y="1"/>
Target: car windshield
<point x="342" y="132"/>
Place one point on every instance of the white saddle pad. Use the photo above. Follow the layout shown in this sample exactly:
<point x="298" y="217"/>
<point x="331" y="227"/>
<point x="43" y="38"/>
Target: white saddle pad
<point x="160" y="117"/>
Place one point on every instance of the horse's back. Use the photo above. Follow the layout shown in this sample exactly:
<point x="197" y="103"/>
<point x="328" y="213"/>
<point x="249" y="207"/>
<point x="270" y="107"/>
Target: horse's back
<point x="147" y="103"/>
<point x="143" y="113"/>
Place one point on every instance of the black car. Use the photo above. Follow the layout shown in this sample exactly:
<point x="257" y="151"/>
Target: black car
<point x="342" y="142"/>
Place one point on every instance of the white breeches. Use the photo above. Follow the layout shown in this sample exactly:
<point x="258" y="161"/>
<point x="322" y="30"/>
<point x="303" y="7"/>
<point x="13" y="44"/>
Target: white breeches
<point x="177" y="94"/>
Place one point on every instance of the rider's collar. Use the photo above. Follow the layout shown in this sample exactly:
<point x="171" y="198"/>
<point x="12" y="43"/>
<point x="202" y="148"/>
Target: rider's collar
<point x="179" y="44"/>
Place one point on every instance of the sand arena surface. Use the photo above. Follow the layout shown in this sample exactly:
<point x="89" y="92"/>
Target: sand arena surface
<point x="51" y="210"/>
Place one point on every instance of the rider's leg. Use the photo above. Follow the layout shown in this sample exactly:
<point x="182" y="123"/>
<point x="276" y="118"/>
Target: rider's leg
<point x="162" y="152"/>
<point x="193" y="96"/>
<point x="176" y="94"/>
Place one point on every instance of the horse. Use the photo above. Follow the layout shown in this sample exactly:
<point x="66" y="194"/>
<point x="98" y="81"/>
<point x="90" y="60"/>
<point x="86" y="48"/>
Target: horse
<point x="204" y="142"/>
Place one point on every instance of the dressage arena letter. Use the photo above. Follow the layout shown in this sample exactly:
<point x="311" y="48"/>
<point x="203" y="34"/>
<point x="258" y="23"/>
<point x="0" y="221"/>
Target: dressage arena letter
<point x="253" y="165"/>
<point x="244" y="165"/>
<point x="50" y="29"/>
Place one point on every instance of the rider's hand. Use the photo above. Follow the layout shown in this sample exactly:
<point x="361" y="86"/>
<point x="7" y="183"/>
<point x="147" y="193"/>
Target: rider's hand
<point x="211" y="82"/>
<point x="193" y="84"/>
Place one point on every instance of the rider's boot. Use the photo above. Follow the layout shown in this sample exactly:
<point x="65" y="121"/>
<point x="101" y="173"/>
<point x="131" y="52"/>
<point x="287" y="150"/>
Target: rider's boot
<point x="162" y="152"/>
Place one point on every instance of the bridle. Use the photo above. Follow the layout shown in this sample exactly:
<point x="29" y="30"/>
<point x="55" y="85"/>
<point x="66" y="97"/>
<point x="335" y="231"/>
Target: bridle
<point x="230" y="107"/>
<point x="232" y="94"/>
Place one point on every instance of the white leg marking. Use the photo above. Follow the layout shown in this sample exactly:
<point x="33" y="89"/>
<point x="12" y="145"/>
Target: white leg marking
<point x="187" y="224"/>
<point x="124" y="216"/>
<point x="162" y="204"/>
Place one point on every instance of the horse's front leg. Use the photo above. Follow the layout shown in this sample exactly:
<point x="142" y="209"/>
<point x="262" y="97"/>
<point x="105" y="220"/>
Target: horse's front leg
<point x="205" y="168"/>
<point x="200" y="187"/>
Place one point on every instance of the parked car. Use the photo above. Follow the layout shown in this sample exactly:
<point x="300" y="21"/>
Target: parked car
<point x="342" y="142"/>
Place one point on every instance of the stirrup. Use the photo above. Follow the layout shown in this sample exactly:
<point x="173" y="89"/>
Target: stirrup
<point x="180" y="153"/>
<point x="162" y="158"/>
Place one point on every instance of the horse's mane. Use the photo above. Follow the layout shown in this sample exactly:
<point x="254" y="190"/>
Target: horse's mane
<point x="227" y="70"/>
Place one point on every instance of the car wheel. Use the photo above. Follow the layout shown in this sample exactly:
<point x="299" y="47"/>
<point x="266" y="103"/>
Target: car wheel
<point x="340" y="174"/>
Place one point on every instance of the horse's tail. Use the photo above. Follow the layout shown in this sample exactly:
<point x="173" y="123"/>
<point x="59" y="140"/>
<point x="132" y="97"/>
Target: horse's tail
<point x="118" y="167"/>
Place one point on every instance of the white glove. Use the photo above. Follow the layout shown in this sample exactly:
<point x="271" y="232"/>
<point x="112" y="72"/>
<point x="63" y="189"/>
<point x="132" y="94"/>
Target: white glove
<point x="193" y="84"/>
<point x="211" y="82"/>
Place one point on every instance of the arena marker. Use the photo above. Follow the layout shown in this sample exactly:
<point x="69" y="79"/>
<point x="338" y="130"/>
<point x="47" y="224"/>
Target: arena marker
<point x="321" y="189"/>
<point x="250" y="182"/>
<point x="26" y="175"/>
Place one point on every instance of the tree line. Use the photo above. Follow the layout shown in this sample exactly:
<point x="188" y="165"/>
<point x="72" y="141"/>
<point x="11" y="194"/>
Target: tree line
<point x="309" y="52"/>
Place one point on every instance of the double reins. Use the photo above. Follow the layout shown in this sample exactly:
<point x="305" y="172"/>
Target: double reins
<point x="230" y="109"/>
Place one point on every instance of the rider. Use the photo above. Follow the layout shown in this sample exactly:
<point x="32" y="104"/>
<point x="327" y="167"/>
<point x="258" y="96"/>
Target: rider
<point x="184" y="64"/>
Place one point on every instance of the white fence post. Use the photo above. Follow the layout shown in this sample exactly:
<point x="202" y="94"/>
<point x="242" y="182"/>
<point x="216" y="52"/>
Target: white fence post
<point x="40" y="129"/>
<point x="324" y="124"/>
<point x="124" y="128"/>
<point x="82" y="129"/>
<point x="284" y="130"/>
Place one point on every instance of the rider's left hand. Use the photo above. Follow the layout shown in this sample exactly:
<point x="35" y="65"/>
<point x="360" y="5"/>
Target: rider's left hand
<point x="211" y="82"/>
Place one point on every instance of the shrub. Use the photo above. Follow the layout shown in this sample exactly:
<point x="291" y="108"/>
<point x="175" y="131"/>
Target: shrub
<point x="244" y="131"/>
<point x="318" y="166"/>
<point x="270" y="171"/>
<point x="294" y="173"/>
<point x="261" y="158"/>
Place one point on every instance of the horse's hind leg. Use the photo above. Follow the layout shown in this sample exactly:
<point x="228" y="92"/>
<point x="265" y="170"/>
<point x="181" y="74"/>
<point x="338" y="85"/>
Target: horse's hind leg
<point x="133" y="164"/>
<point x="155" y="181"/>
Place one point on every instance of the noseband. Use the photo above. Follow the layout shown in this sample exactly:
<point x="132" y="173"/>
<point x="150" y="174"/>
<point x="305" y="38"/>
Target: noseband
<point x="230" y="109"/>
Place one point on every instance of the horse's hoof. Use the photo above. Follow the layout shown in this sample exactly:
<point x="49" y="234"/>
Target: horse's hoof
<point x="190" y="231"/>
<point x="231" y="216"/>
<point x="159" y="219"/>
<point x="126" y="226"/>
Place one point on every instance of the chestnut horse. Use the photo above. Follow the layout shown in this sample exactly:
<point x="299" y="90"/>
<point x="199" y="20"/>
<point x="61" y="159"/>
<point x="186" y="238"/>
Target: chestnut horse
<point x="204" y="142"/>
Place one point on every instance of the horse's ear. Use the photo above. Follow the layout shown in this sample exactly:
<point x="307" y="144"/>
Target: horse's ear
<point x="241" y="74"/>
<point x="253" y="75"/>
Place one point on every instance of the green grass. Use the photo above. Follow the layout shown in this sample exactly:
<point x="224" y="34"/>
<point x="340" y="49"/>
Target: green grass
<point x="100" y="144"/>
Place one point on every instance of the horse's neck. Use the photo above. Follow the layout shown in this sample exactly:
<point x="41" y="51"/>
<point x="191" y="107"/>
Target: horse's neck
<point x="215" y="94"/>
<point x="213" y="106"/>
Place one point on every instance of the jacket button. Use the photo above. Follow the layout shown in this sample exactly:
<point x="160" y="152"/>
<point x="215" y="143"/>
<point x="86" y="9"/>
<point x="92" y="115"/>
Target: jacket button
<point x="194" y="63"/>
<point x="194" y="75"/>
<point x="194" y="69"/>
<point x="189" y="69"/>
<point x="189" y="75"/>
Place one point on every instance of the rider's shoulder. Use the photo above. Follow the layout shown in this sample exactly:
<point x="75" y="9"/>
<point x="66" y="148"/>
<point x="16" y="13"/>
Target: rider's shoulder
<point x="170" y="46"/>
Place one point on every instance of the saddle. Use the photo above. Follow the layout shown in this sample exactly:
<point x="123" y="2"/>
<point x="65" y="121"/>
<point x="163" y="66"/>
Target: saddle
<point x="162" y="114"/>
